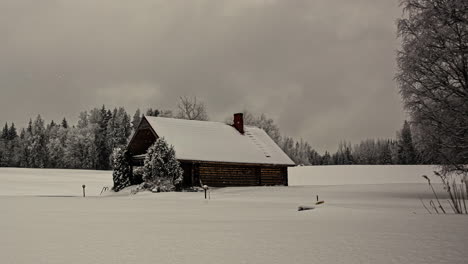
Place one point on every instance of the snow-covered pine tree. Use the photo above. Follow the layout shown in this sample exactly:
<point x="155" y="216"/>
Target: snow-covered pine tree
<point x="37" y="144"/>
<point x="161" y="168"/>
<point x="122" y="169"/>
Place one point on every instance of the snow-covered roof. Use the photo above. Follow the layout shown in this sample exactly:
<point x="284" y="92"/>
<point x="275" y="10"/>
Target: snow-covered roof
<point x="216" y="141"/>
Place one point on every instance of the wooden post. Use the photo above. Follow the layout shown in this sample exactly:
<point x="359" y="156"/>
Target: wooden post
<point x="205" y="187"/>
<point x="192" y="174"/>
<point x="84" y="186"/>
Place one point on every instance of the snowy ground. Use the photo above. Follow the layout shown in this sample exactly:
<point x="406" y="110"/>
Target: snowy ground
<point x="44" y="220"/>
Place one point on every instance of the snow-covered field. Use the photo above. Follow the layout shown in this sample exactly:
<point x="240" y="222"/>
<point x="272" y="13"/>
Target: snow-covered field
<point x="372" y="214"/>
<point x="360" y="174"/>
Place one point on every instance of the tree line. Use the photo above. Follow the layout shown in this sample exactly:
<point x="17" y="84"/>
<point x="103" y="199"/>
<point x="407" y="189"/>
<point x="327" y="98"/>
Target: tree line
<point x="89" y="143"/>
<point x="401" y="150"/>
<point x="86" y="145"/>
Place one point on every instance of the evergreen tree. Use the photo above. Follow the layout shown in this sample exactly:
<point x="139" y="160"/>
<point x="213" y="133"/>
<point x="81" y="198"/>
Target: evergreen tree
<point x="29" y="129"/>
<point x="64" y="123"/>
<point x="24" y="149"/>
<point x="385" y="155"/>
<point x="118" y="129"/>
<point x="161" y="168"/>
<point x="3" y="153"/>
<point x="9" y="147"/>
<point x="136" y="119"/>
<point x="406" y="152"/>
<point x="326" y="159"/>
<point x="37" y="144"/>
<point x="98" y="123"/>
<point x="12" y="134"/>
<point x="4" y="134"/>
<point x="122" y="169"/>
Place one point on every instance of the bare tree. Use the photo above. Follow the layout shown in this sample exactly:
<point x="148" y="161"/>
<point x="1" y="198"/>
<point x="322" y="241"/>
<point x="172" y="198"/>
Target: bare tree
<point x="192" y="109"/>
<point x="433" y="76"/>
<point x="433" y="73"/>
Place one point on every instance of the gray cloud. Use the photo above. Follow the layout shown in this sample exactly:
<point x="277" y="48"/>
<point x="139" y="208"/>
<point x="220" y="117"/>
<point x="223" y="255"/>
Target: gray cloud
<point x="323" y="69"/>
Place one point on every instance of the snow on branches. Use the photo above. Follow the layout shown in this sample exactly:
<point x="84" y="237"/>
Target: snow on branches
<point x="122" y="169"/>
<point x="162" y="170"/>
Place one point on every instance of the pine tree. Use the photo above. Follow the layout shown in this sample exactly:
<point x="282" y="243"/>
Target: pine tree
<point x="98" y="123"/>
<point x="385" y="155"/>
<point x="10" y="147"/>
<point x="24" y="149"/>
<point x="136" y="119"/>
<point x="122" y="169"/>
<point x="118" y="129"/>
<point x="326" y="159"/>
<point x="315" y="158"/>
<point x="38" y="144"/>
<point x="29" y="129"/>
<point x="3" y="147"/>
<point x="4" y="134"/>
<point x="64" y="123"/>
<point x="348" y="157"/>
<point x="406" y="152"/>
<point x="3" y="153"/>
<point x="12" y="134"/>
<point x="161" y="168"/>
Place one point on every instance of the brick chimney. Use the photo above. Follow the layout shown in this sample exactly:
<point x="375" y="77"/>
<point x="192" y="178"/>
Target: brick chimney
<point x="239" y="122"/>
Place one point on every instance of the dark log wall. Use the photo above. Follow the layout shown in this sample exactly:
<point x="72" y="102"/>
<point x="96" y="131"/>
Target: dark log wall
<point x="274" y="176"/>
<point x="224" y="175"/>
<point x="220" y="175"/>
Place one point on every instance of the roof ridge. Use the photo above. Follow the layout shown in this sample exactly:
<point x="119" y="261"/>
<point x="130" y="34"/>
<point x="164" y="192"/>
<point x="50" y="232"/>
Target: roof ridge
<point x="199" y="121"/>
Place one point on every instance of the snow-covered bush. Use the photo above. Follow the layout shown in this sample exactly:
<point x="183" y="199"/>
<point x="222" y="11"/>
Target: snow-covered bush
<point x="122" y="169"/>
<point x="162" y="171"/>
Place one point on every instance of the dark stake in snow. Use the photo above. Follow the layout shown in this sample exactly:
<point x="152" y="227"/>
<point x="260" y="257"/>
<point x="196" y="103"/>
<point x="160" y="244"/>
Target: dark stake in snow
<point x="205" y="187"/>
<point x="84" y="193"/>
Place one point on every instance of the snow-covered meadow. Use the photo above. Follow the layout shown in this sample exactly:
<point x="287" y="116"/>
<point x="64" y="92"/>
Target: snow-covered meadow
<point x="372" y="214"/>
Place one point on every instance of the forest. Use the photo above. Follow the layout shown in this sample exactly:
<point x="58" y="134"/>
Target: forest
<point x="89" y="143"/>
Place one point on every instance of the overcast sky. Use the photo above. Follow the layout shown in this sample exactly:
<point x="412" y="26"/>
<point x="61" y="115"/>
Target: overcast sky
<point x="323" y="69"/>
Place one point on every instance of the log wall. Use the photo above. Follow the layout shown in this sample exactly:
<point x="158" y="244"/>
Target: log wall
<point x="222" y="175"/>
<point x="274" y="176"/>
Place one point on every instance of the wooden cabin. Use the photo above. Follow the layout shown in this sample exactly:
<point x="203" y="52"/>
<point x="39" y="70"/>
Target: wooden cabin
<point x="214" y="153"/>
